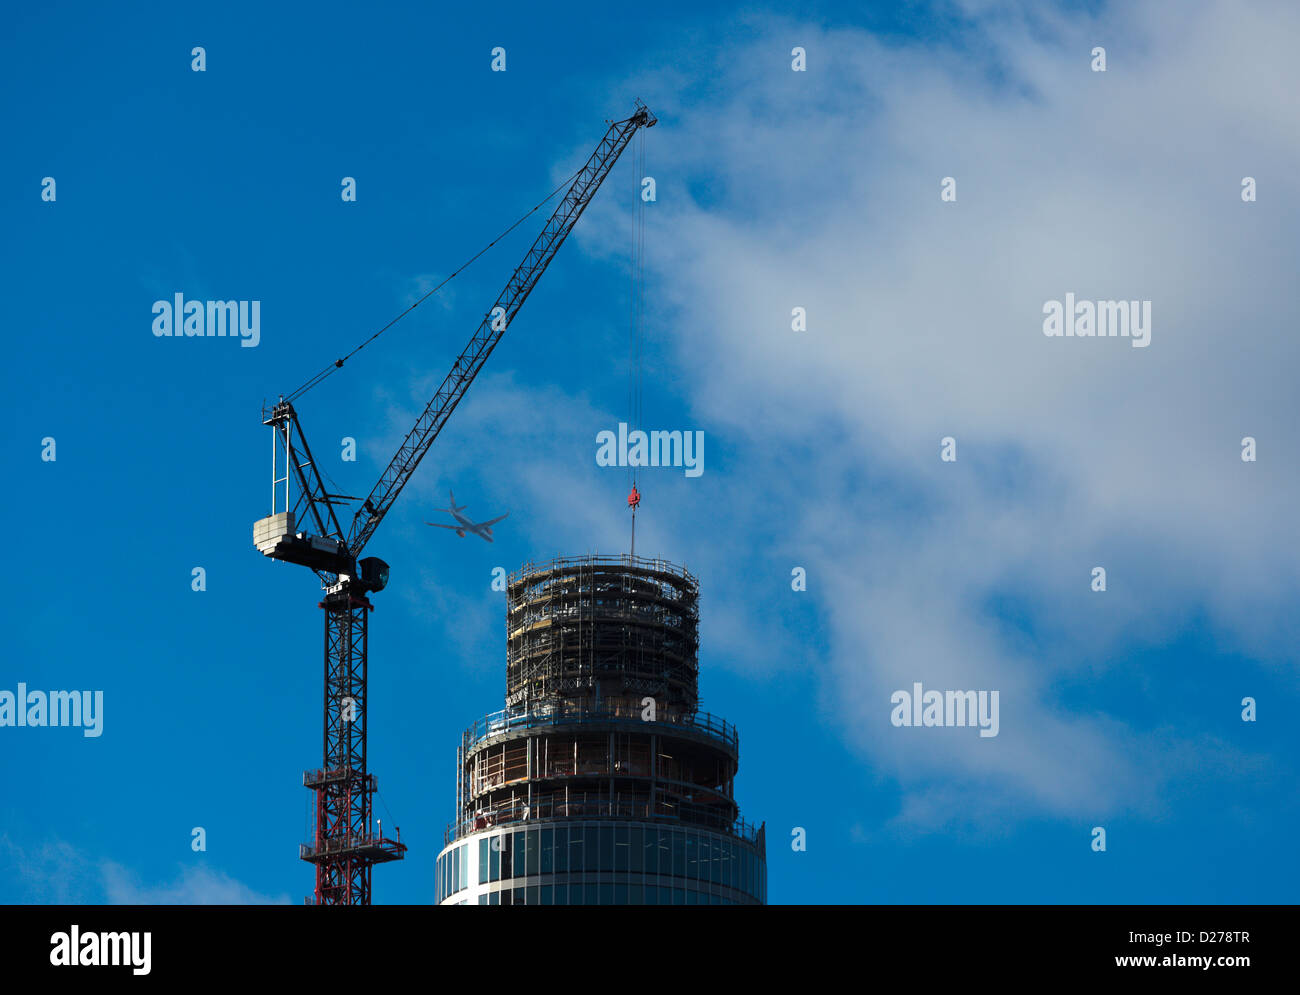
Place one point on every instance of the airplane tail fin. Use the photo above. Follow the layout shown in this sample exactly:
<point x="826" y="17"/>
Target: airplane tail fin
<point x="453" y="509"/>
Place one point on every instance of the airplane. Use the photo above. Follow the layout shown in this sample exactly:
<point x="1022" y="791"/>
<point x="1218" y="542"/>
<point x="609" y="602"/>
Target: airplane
<point x="481" y="529"/>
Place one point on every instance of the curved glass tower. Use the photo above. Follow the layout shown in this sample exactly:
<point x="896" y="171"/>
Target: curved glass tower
<point x="601" y="782"/>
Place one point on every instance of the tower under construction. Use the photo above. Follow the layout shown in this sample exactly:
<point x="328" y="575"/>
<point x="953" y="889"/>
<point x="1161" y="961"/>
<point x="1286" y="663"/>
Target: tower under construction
<point x="601" y="782"/>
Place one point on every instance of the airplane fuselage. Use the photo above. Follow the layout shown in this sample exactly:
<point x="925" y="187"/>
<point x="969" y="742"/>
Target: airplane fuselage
<point x="463" y="525"/>
<point x="482" y="531"/>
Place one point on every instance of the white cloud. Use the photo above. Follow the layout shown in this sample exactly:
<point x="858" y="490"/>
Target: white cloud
<point x="52" y="873"/>
<point x="193" y="886"/>
<point x="821" y="189"/>
<point x="56" y="872"/>
<point x="1073" y="453"/>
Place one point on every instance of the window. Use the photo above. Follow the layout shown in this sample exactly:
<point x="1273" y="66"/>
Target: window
<point x="494" y="862"/>
<point x="576" y="846"/>
<point x="592" y="847"/>
<point x="622" y="844"/>
<point x="679" y="854"/>
<point x="530" y="857"/>
<point x="483" y="860"/>
<point x="606" y="848"/>
<point x="548" y="861"/>
<point x="562" y="851"/>
<point x="519" y="866"/>
<point x="636" y="849"/>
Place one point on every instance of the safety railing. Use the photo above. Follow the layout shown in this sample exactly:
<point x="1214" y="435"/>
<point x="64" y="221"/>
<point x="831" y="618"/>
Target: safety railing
<point x="569" y="564"/>
<point x="509" y="720"/>
<point x="350" y="841"/>
<point x="559" y="806"/>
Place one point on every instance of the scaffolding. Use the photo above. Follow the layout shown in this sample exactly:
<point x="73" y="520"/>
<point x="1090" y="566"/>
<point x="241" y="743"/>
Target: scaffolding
<point x="602" y="630"/>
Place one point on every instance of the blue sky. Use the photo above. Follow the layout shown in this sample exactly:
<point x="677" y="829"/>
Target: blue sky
<point x="775" y="189"/>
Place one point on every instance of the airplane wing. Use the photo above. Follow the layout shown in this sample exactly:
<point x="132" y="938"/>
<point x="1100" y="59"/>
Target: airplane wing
<point x="439" y="525"/>
<point x="493" y="521"/>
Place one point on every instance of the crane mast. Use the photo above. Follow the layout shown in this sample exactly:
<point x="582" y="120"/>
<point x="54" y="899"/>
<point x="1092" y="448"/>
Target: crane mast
<point x="347" y="843"/>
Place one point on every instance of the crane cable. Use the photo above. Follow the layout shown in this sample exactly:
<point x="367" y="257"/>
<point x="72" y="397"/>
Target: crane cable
<point x="338" y="363"/>
<point x="636" y="309"/>
<point x="387" y="810"/>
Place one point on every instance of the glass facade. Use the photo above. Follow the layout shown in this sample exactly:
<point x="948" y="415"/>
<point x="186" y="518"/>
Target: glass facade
<point x="601" y="863"/>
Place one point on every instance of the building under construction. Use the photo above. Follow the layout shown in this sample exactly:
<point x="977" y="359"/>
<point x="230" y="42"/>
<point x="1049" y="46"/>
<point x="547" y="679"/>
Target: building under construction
<point x="601" y="782"/>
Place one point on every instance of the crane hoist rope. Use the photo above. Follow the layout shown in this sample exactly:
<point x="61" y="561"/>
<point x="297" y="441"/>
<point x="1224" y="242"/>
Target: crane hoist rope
<point x="636" y="313"/>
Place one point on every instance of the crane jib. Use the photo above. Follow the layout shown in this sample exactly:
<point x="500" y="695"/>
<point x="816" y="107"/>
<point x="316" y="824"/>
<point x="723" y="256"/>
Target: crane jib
<point x="313" y="506"/>
<point x="493" y="326"/>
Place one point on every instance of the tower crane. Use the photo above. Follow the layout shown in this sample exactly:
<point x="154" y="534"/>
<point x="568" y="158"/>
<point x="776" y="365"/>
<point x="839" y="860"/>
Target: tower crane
<point x="304" y="528"/>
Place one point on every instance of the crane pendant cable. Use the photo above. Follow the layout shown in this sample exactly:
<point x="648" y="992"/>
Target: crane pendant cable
<point x="338" y="363"/>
